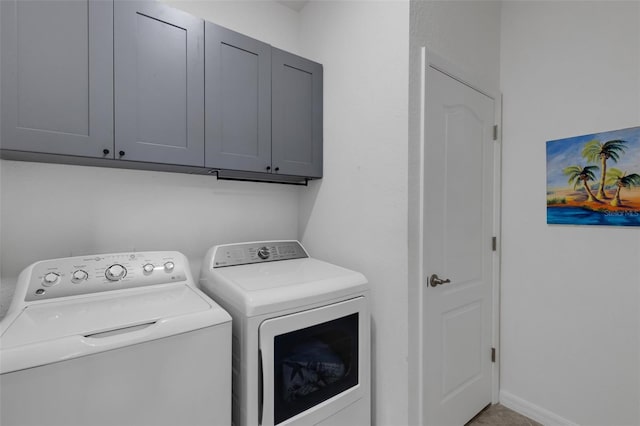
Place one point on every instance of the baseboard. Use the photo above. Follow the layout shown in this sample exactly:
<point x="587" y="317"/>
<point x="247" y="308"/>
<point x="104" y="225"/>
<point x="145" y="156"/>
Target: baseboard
<point x="534" y="412"/>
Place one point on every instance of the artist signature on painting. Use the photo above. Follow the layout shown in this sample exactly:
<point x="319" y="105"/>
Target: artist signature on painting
<point x="631" y="213"/>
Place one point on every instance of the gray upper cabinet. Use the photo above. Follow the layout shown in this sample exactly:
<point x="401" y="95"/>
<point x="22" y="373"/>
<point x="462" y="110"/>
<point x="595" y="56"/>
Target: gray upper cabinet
<point x="57" y="77"/>
<point x="139" y="84"/>
<point x="296" y="102"/>
<point x="159" y="84"/>
<point x="238" y="101"/>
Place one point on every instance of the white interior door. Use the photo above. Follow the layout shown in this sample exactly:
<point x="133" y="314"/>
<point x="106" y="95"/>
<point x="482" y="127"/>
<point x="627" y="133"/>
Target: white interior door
<point x="458" y="230"/>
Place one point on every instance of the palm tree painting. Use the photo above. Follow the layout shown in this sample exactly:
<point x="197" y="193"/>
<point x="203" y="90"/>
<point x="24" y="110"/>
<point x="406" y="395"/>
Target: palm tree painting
<point x="594" y="179"/>
<point x="579" y="174"/>
<point x="621" y="180"/>
<point x="596" y="150"/>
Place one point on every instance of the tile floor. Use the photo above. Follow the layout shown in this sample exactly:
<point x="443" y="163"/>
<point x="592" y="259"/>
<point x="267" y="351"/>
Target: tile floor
<point x="499" y="415"/>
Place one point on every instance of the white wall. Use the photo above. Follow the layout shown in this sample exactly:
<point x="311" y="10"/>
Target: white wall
<point x="467" y="34"/>
<point x="49" y="210"/>
<point x="356" y="215"/>
<point x="264" y="20"/>
<point x="570" y="295"/>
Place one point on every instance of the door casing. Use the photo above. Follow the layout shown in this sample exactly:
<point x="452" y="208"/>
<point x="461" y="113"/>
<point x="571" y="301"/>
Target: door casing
<point x="417" y="274"/>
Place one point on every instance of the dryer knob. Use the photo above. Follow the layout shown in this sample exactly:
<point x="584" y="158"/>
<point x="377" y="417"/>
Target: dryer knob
<point x="115" y="272"/>
<point x="169" y="266"/>
<point x="50" y="279"/>
<point x="263" y="253"/>
<point x="148" y="268"/>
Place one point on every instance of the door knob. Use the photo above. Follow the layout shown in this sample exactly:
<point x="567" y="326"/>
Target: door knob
<point x="436" y="281"/>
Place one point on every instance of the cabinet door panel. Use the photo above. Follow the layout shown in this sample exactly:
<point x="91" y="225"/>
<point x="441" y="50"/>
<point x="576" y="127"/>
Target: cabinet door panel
<point x="296" y="115"/>
<point x="238" y="101"/>
<point x="57" y="76"/>
<point x="159" y="84"/>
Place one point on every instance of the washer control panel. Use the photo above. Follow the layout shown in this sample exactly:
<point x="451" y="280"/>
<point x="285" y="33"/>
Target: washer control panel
<point x="258" y="252"/>
<point x="74" y="276"/>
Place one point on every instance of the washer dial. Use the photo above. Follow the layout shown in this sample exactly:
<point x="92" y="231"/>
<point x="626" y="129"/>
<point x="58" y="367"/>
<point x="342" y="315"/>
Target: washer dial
<point x="50" y="279"/>
<point x="115" y="272"/>
<point x="168" y="266"/>
<point x="148" y="268"/>
<point x="79" y="276"/>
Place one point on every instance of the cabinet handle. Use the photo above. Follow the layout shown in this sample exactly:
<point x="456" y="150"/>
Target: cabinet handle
<point x="268" y="168"/>
<point x="121" y="153"/>
<point x="105" y="151"/>
<point x="277" y="168"/>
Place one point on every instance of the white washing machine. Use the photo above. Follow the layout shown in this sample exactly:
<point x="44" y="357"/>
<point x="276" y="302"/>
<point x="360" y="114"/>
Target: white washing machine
<point x="301" y="334"/>
<point x="114" y="339"/>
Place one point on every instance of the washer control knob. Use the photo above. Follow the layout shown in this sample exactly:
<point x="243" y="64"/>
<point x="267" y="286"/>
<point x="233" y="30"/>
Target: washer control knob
<point x="79" y="276"/>
<point x="115" y="272"/>
<point x="148" y="268"/>
<point x="263" y="252"/>
<point x="169" y="266"/>
<point x="52" y="278"/>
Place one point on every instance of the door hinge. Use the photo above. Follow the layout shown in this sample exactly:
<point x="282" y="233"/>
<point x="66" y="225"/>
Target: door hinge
<point x="494" y="243"/>
<point x="495" y="132"/>
<point x="493" y="354"/>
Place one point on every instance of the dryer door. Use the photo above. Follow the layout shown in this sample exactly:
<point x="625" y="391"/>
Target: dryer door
<point x="314" y="363"/>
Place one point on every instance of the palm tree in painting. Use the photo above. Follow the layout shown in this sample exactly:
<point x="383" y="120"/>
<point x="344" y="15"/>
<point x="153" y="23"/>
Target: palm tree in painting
<point x="578" y="174"/>
<point x="621" y="180"/>
<point x="596" y="150"/>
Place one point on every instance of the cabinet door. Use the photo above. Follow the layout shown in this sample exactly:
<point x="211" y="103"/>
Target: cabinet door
<point x="296" y="115"/>
<point x="57" y="76"/>
<point x="159" y="84"/>
<point x="238" y="101"/>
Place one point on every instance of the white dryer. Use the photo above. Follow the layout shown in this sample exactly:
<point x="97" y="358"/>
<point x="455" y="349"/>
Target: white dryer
<point x="114" y="339"/>
<point x="301" y="334"/>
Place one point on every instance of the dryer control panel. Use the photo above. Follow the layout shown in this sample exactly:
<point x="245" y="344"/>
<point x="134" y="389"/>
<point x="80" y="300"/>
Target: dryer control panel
<point x="257" y="252"/>
<point x="79" y="275"/>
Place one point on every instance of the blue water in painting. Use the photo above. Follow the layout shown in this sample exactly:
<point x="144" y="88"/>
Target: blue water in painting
<point x="580" y="216"/>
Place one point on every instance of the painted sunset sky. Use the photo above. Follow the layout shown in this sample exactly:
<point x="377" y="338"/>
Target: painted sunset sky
<point x="567" y="152"/>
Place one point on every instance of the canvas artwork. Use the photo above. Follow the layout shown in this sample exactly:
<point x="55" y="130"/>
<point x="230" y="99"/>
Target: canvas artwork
<point x="594" y="179"/>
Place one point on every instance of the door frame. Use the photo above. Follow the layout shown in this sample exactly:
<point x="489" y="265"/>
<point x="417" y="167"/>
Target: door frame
<point x="417" y="277"/>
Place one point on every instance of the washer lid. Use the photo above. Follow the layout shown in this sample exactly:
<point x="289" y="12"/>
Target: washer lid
<point x="97" y="314"/>
<point x="57" y="331"/>
<point x="268" y="287"/>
